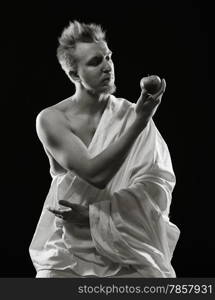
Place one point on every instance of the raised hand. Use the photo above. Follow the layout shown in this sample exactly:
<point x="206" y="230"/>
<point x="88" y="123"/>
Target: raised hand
<point x="147" y="104"/>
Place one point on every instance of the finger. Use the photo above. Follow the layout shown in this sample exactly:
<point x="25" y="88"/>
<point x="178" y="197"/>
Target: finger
<point x="60" y="217"/>
<point x="154" y="102"/>
<point x="65" y="203"/>
<point x="55" y="212"/>
<point x="73" y="206"/>
<point x="77" y="207"/>
<point x="58" y="211"/>
<point x="143" y="97"/>
<point x="162" y="89"/>
<point x="144" y="93"/>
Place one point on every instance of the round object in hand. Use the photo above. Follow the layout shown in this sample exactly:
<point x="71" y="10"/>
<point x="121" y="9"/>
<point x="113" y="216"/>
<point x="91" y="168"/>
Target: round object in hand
<point x="151" y="84"/>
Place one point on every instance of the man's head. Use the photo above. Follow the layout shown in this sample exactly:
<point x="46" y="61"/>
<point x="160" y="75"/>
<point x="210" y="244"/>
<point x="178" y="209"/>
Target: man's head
<point x="85" y="57"/>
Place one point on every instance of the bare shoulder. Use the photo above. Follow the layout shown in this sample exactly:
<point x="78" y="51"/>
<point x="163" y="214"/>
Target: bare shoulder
<point x="49" y="115"/>
<point x="55" y="112"/>
<point x="51" y="122"/>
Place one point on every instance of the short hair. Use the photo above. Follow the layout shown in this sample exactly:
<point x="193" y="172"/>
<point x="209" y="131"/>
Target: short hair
<point x="71" y="35"/>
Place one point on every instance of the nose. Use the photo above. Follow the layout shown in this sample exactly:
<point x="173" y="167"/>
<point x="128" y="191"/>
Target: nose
<point x="107" y="67"/>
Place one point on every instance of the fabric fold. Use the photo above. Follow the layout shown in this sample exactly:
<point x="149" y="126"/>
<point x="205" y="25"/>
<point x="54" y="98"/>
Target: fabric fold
<point x="129" y="219"/>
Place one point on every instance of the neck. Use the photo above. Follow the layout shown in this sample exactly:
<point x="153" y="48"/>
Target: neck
<point x="89" y="102"/>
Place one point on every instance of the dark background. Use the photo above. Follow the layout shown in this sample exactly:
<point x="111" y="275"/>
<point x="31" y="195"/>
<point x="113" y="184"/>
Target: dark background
<point x="171" y="40"/>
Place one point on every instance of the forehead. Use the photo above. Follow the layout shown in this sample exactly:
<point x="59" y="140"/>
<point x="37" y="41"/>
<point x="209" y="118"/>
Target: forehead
<point x="85" y="51"/>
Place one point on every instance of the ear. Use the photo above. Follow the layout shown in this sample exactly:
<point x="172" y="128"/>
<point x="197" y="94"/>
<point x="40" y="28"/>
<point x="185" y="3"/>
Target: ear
<point x="74" y="75"/>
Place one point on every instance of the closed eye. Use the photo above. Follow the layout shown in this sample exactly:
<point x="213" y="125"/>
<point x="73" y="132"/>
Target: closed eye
<point x="95" y="61"/>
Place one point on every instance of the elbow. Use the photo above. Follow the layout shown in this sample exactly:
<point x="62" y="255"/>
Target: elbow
<point x="95" y="180"/>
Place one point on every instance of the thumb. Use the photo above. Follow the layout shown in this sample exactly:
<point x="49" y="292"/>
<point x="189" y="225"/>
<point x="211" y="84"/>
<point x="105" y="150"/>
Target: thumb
<point x="142" y="99"/>
<point x="144" y="93"/>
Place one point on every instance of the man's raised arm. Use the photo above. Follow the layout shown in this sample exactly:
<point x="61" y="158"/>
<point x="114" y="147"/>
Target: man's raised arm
<point x="70" y="152"/>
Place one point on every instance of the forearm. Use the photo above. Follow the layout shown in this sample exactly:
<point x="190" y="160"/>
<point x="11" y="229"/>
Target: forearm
<point x="104" y="166"/>
<point x="105" y="175"/>
<point x="145" y="108"/>
<point x="70" y="152"/>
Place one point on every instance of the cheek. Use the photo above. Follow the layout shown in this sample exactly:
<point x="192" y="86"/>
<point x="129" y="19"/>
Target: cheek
<point x="85" y="75"/>
<point x="92" y="75"/>
<point x="90" y="78"/>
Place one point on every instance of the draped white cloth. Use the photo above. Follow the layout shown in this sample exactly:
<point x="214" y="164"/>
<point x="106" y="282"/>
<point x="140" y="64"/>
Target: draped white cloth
<point x="129" y="220"/>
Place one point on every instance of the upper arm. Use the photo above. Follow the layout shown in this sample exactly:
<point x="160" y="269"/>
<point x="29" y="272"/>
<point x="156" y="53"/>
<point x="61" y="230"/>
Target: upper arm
<point x="56" y="135"/>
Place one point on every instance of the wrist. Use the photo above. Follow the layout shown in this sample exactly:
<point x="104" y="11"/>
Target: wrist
<point x="139" y="123"/>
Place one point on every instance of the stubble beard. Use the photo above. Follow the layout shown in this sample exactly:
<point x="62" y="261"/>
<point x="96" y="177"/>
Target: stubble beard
<point x="109" y="90"/>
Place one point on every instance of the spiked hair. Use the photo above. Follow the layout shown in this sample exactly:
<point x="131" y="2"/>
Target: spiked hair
<point x="71" y="35"/>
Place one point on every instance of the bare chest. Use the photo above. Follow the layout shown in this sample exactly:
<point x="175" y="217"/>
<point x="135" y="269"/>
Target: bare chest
<point x="84" y="127"/>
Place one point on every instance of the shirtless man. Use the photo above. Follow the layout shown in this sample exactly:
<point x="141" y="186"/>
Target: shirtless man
<point x="67" y="128"/>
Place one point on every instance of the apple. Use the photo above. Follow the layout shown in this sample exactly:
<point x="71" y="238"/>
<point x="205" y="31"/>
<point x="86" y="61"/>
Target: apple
<point x="151" y="84"/>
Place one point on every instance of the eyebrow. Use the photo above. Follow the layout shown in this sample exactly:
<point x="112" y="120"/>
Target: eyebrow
<point x="99" y="56"/>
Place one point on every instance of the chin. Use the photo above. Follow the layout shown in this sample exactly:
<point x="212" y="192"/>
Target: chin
<point x="106" y="90"/>
<point x="111" y="89"/>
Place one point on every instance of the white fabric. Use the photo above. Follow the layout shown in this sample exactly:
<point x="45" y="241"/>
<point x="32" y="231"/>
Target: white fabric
<point x="129" y="223"/>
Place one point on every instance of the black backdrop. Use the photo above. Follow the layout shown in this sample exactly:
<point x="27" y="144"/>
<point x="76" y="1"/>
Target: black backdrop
<point x="169" y="39"/>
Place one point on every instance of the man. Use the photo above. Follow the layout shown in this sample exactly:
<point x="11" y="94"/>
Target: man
<point x="106" y="214"/>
